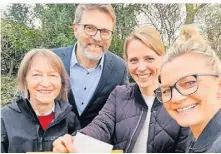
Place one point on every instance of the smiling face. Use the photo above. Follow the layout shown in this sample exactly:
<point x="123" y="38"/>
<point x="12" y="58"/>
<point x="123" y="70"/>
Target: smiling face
<point x="43" y="81"/>
<point x="197" y="109"/>
<point x="143" y="64"/>
<point x="93" y="47"/>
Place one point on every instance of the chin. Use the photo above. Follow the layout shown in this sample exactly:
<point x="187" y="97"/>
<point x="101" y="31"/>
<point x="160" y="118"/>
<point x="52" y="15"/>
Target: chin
<point x="46" y="101"/>
<point x="144" y="84"/>
<point x="187" y="122"/>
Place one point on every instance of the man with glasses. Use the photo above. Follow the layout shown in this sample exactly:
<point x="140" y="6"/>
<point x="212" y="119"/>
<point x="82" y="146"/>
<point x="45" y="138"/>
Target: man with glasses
<point x="94" y="71"/>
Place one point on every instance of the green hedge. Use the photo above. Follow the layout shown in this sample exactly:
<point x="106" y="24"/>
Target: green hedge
<point x="8" y="89"/>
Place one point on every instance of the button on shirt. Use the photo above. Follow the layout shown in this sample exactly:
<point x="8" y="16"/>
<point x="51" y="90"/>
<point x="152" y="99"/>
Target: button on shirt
<point x="83" y="81"/>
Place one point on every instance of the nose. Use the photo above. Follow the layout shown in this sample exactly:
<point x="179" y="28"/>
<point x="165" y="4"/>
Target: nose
<point x="45" y="81"/>
<point x="141" y="66"/>
<point x="97" y="37"/>
<point x="176" y="96"/>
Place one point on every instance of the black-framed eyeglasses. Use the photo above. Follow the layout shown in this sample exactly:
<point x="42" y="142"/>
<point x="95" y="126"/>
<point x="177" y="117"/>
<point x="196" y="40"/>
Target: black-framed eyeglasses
<point x="92" y="31"/>
<point x="186" y="85"/>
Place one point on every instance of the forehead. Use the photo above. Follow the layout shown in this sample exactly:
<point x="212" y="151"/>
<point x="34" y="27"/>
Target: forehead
<point x="138" y="48"/>
<point x="97" y="18"/>
<point x="43" y="63"/>
<point x="183" y="65"/>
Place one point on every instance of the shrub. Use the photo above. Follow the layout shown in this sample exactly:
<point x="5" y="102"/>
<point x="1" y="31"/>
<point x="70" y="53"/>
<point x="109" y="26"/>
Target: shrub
<point x="8" y="89"/>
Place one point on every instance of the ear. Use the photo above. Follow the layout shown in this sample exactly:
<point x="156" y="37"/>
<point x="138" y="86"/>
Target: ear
<point x="74" y="26"/>
<point x="219" y="89"/>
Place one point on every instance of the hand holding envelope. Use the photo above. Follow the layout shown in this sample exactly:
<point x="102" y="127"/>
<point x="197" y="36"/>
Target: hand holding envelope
<point x="80" y="143"/>
<point x="86" y="144"/>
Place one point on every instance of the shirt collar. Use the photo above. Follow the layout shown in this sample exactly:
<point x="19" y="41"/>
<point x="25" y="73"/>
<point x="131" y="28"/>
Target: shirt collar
<point x="74" y="60"/>
<point x="73" y="56"/>
<point x="47" y="113"/>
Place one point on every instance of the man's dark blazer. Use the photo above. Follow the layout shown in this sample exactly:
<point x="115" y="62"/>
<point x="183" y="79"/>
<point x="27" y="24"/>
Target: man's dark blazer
<point x="114" y="73"/>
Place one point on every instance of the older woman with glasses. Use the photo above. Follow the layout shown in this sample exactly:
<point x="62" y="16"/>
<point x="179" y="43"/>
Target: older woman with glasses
<point x="191" y="90"/>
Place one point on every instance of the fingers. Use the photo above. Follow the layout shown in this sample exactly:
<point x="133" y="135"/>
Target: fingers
<point x="58" y="151"/>
<point x="63" y="144"/>
<point x="69" y="144"/>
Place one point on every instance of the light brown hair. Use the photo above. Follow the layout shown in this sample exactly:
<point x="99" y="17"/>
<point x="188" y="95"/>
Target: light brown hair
<point x="149" y="36"/>
<point x="106" y="8"/>
<point x="55" y="62"/>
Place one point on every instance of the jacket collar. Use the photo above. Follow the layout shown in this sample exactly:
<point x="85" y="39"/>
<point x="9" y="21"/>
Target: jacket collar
<point x="208" y="135"/>
<point x="24" y="106"/>
<point x="140" y="100"/>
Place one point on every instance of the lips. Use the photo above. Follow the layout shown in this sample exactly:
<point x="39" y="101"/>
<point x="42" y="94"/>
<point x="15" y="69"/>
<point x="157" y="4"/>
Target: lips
<point x="144" y="76"/>
<point x="187" y="108"/>
<point x="45" y="91"/>
<point x="95" y="45"/>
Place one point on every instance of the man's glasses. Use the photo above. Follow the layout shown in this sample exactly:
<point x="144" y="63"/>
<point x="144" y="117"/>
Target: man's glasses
<point x="92" y="31"/>
<point x="185" y="86"/>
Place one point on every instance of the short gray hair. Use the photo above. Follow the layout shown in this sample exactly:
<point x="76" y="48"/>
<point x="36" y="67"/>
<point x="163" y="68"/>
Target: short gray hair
<point x="106" y="8"/>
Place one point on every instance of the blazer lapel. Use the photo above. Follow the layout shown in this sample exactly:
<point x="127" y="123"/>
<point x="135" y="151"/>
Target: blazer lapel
<point x="106" y="73"/>
<point x="66" y="58"/>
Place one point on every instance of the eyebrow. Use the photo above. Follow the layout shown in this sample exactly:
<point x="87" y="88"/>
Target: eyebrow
<point x="36" y="70"/>
<point x="97" y="27"/>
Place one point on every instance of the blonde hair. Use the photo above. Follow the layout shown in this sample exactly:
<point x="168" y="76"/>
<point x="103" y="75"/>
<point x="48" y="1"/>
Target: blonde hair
<point x="56" y="63"/>
<point x="189" y="41"/>
<point x="106" y="8"/>
<point x="149" y="36"/>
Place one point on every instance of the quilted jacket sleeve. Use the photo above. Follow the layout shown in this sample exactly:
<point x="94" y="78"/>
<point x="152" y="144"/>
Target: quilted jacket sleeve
<point x="182" y="139"/>
<point x="102" y="127"/>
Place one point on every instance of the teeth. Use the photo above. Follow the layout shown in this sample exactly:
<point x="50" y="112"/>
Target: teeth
<point x="186" y="108"/>
<point x="44" y="91"/>
<point x="144" y="76"/>
<point x="95" y="46"/>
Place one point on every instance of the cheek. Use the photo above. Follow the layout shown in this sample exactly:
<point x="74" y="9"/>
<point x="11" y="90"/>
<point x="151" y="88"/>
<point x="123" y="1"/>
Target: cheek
<point x="154" y="68"/>
<point x="204" y="93"/>
<point x="31" y="84"/>
<point x="107" y="43"/>
<point x="58" y="84"/>
<point x="131" y="68"/>
<point x="167" y="106"/>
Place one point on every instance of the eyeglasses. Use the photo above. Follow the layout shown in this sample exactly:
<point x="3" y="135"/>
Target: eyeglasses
<point x="92" y="31"/>
<point x="185" y="86"/>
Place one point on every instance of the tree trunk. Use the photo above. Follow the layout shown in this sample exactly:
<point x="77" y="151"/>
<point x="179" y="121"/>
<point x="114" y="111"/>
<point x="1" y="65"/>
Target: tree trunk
<point x="11" y="67"/>
<point x="190" y="13"/>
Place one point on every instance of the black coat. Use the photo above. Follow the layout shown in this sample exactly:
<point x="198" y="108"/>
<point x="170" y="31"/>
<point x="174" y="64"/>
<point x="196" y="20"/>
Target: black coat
<point x="123" y="116"/>
<point x="21" y="131"/>
<point x="114" y="73"/>
<point x="209" y="140"/>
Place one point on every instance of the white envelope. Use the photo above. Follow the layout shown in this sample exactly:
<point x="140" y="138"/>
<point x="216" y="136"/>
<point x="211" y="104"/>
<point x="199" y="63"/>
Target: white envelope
<point x="87" y="144"/>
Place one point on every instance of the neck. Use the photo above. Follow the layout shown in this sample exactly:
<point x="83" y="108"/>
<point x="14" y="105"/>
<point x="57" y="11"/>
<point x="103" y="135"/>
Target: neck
<point x="198" y="129"/>
<point x="149" y="91"/>
<point x="84" y="61"/>
<point x="41" y="108"/>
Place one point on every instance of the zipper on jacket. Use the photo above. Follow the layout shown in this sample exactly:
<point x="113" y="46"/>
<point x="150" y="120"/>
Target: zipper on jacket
<point x="41" y="142"/>
<point x="60" y="119"/>
<point x="134" y="131"/>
